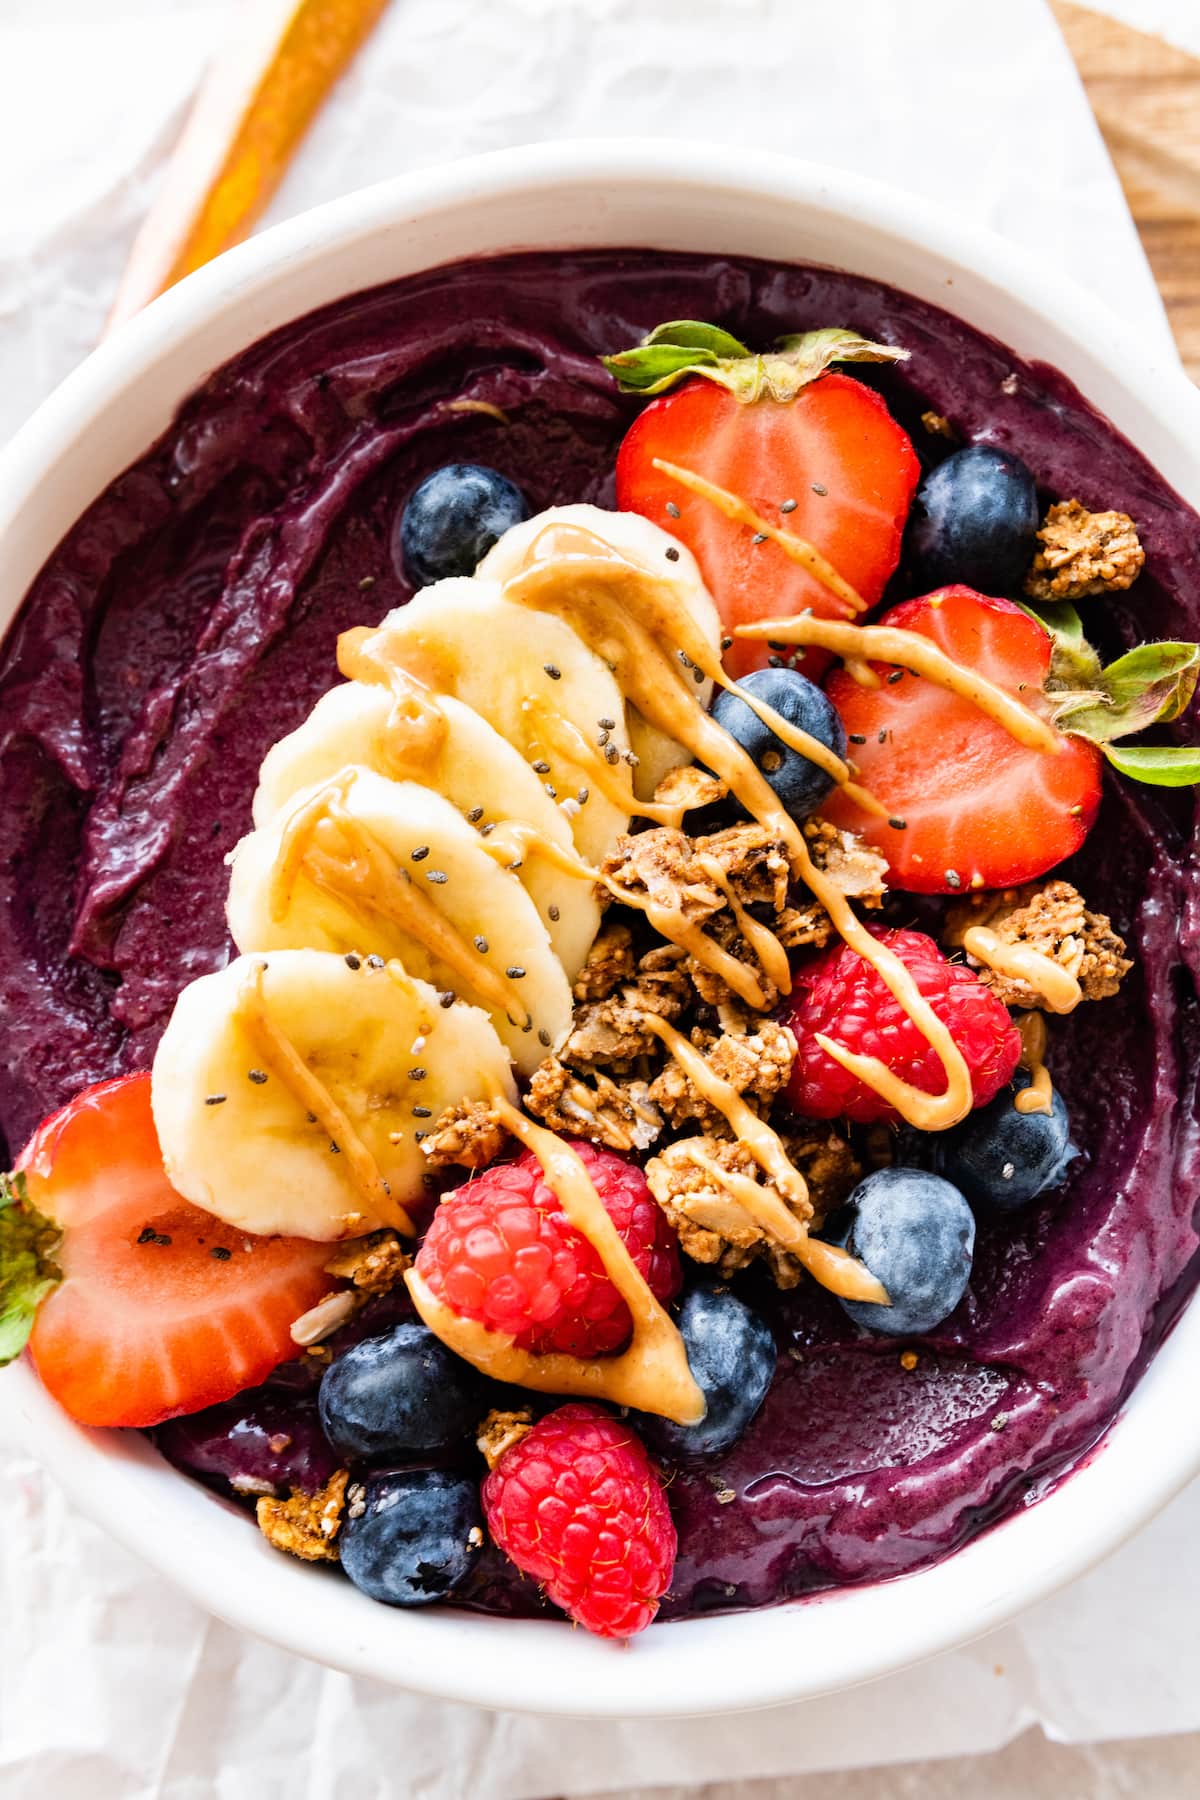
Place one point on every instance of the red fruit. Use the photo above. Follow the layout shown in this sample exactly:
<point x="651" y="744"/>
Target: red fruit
<point x="502" y="1250"/>
<point x="161" y="1309"/>
<point x="840" y="995"/>
<point x="577" y="1505"/>
<point x="834" y="449"/>
<point x="980" y="809"/>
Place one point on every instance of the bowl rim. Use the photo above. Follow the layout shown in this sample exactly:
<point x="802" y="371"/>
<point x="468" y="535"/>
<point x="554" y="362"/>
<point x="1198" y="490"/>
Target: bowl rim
<point x="772" y="1655"/>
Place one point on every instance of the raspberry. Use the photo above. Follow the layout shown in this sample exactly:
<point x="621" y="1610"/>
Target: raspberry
<point x="842" y="996"/>
<point x="502" y="1250"/>
<point x="577" y="1505"/>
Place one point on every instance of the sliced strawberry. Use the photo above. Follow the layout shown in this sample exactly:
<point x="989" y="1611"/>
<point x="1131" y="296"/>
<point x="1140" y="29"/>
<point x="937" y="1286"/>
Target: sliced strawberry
<point x="979" y="808"/>
<point x="161" y="1309"/>
<point x="820" y="443"/>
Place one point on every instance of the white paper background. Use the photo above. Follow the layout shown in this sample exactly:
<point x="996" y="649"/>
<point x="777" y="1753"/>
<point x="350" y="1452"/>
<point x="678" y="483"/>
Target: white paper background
<point x="113" y="1685"/>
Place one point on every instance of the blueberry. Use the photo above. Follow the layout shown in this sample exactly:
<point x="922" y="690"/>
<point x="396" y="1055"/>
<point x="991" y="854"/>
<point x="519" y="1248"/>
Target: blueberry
<point x="799" y="784"/>
<point x="916" y="1234"/>
<point x="417" y="1536"/>
<point x="452" y="519"/>
<point x="402" y="1394"/>
<point x="731" y="1353"/>
<point x="974" y="519"/>
<point x="1003" y="1158"/>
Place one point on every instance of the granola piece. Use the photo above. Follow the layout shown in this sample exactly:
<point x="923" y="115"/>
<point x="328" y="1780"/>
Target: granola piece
<point x="662" y="985"/>
<point x="756" y="1063"/>
<point x="306" y="1525"/>
<point x="610" y="1034"/>
<point x="1054" y="921"/>
<point x="468" y="1135"/>
<point x="618" y="1115"/>
<point x="714" y="1229"/>
<point x="858" y="872"/>
<point x="610" y="962"/>
<point x="500" y="1431"/>
<point x="658" y="866"/>
<point x="374" y="1264"/>
<point x="1084" y="553"/>
<point x="755" y="863"/>
<point x="938" y="425"/>
<point x="689" y="787"/>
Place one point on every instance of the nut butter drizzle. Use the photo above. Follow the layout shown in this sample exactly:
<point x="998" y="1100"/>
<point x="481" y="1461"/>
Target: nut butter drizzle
<point x="275" y="1049"/>
<point x="797" y="548"/>
<point x="1038" y="1097"/>
<point x="909" y="650"/>
<point x="629" y="618"/>
<point x="651" y="1374"/>
<point x="832" y="1267"/>
<point x="416" y="728"/>
<point x="322" y="840"/>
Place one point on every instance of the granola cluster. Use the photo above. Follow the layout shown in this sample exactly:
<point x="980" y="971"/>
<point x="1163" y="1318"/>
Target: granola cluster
<point x="614" y="1083"/>
<point x="306" y="1525"/>
<point x="713" y="1228"/>
<point x="1053" y="920"/>
<point x="1084" y="553"/>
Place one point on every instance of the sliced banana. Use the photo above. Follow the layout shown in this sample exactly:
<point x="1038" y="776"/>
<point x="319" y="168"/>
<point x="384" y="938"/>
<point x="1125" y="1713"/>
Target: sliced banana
<point x="525" y="672"/>
<point x="267" y="1065"/>
<point x="367" y="865"/>
<point x="640" y="541"/>
<point x="476" y="769"/>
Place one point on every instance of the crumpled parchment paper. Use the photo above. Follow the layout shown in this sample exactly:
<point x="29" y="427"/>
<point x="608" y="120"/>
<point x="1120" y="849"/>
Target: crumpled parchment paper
<point x="114" y="1686"/>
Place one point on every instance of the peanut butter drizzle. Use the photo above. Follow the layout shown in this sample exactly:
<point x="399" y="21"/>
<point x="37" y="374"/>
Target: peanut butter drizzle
<point x="1055" y="986"/>
<point x="910" y="650"/>
<point x="512" y="840"/>
<point x="338" y="853"/>
<point x="576" y="540"/>
<point x="670" y="923"/>
<point x="652" y="1374"/>
<point x="1039" y="1095"/>
<point x="797" y="548"/>
<point x="627" y="616"/>
<point x="416" y="728"/>
<point x="828" y="1264"/>
<point x="764" y="1204"/>
<point x="762" y="940"/>
<point x="276" y="1050"/>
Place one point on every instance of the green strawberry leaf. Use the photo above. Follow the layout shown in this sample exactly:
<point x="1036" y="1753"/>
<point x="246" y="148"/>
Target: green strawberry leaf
<point x="1147" y="686"/>
<point x="27" y="1270"/>
<point x="1073" y="662"/>
<point x="694" y="334"/>
<point x="1157" y="765"/>
<point x="685" y="347"/>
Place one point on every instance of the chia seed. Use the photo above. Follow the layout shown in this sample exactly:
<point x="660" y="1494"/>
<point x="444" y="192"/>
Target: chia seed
<point x="257" y="1076"/>
<point x="553" y="671"/>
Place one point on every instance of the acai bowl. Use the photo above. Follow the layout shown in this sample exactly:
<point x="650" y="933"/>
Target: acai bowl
<point x="961" y="1436"/>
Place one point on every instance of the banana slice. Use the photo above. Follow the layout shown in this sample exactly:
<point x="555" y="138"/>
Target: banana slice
<point x="639" y="541"/>
<point x="267" y="1065"/>
<point x="525" y="672"/>
<point x="364" y="864"/>
<point x="476" y="769"/>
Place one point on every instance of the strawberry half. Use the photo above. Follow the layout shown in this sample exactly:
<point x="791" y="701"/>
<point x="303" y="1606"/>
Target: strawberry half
<point x="145" y="1306"/>
<point x="781" y="431"/>
<point x="979" y="808"/>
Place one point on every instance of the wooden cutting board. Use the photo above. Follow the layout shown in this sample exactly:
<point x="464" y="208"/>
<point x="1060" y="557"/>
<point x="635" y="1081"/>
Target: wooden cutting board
<point x="1146" y="96"/>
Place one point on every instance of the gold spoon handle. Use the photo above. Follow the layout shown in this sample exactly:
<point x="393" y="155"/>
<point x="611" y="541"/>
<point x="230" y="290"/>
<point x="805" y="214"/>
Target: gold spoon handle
<point x="259" y="97"/>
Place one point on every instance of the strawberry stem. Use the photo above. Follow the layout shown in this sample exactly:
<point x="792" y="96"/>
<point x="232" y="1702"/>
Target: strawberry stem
<point x="28" y="1242"/>
<point x="684" y="347"/>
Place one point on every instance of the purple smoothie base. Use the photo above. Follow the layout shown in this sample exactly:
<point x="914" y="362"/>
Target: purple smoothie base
<point x="190" y="619"/>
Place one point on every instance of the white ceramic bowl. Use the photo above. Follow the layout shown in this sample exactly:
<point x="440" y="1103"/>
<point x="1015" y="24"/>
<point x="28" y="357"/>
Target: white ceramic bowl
<point x="678" y="197"/>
